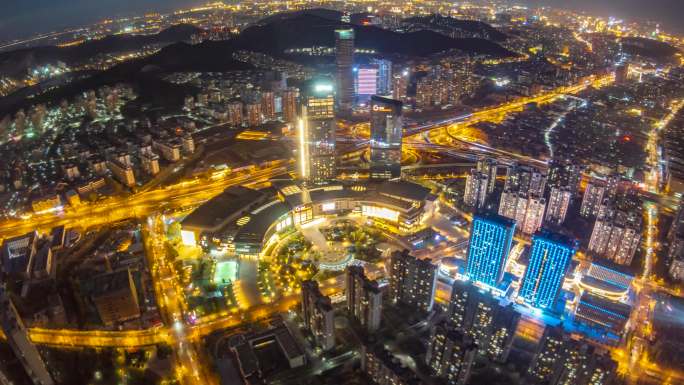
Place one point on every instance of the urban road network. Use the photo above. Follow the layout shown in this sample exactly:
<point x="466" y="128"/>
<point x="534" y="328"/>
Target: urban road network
<point x="149" y="205"/>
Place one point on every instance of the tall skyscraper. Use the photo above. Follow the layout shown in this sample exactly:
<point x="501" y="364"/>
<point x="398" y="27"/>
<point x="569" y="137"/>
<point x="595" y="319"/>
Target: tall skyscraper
<point x="289" y="105"/>
<point x="412" y="281"/>
<point x="384" y="86"/>
<point x="489" y="167"/>
<point x="344" y="61"/>
<point x="364" y="298"/>
<point x="548" y="356"/>
<point x="254" y="114"/>
<point x="476" y="189"/>
<point x="490" y="325"/>
<point x="317" y="313"/>
<point x="549" y="260"/>
<point x="400" y="81"/>
<point x="365" y="81"/>
<point x="235" y="113"/>
<point x="386" y="134"/>
<point x="592" y="199"/>
<point x="268" y="105"/>
<point x="450" y="354"/>
<point x="559" y="202"/>
<point x="317" y="132"/>
<point x="20" y="343"/>
<point x="490" y="242"/>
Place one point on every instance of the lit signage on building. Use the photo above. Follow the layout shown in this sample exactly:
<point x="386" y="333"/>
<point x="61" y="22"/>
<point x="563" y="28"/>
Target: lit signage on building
<point x="380" y="212"/>
<point x="328" y="206"/>
<point x="367" y="79"/>
<point x="188" y="238"/>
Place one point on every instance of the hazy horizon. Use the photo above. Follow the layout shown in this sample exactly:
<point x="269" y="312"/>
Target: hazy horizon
<point x="21" y="18"/>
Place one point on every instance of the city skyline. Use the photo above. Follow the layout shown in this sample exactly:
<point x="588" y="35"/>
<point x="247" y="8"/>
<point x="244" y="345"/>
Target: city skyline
<point x="387" y="193"/>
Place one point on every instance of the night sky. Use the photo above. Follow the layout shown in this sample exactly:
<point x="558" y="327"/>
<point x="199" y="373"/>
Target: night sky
<point x="23" y="17"/>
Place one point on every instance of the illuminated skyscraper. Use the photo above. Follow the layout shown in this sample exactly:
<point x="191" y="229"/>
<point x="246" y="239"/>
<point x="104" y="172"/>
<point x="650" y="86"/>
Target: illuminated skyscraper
<point x="490" y="325"/>
<point x="450" y="354"/>
<point x="384" y="85"/>
<point x="290" y="105"/>
<point x="559" y="202"/>
<point x="365" y="81"/>
<point x="549" y="260"/>
<point x="488" y="167"/>
<point x="475" y="193"/>
<point x="268" y="105"/>
<point x="490" y="242"/>
<point x="364" y="298"/>
<point x="400" y="82"/>
<point x="385" y="142"/>
<point x="412" y="281"/>
<point x="317" y="313"/>
<point x="317" y="132"/>
<point x="344" y="60"/>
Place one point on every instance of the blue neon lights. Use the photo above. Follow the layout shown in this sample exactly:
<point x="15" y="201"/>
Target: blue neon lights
<point x="549" y="260"/>
<point x="490" y="243"/>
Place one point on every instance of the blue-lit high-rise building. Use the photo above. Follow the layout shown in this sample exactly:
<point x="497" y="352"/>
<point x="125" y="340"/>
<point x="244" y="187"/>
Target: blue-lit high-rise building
<point x="384" y="76"/>
<point x="549" y="260"/>
<point x="490" y="242"/>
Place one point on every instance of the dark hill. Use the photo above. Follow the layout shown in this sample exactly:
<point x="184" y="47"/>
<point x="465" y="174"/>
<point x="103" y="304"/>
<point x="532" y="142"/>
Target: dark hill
<point x="653" y="49"/>
<point x="16" y="63"/>
<point x="304" y="29"/>
<point x="449" y="24"/>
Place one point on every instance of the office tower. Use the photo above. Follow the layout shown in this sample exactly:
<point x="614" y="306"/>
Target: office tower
<point x="317" y="313"/>
<point x="592" y="199"/>
<point x="490" y="242"/>
<point x="364" y="298"/>
<point x="491" y="326"/>
<point x="549" y="354"/>
<point x="235" y="113"/>
<point x="549" y="260"/>
<point x="559" y="202"/>
<point x="616" y="235"/>
<point x="384" y="86"/>
<point x="526" y="180"/>
<point x="268" y="105"/>
<point x="254" y="115"/>
<point x="289" y="105"/>
<point x="386" y="133"/>
<point x="344" y="61"/>
<point x="412" y="281"/>
<point x="400" y="82"/>
<point x="476" y="189"/>
<point x="365" y="81"/>
<point x="450" y="354"/>
<point x="489" y="167"/>
<point x="18" y="339"/>
<point x="317" y="132"/>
